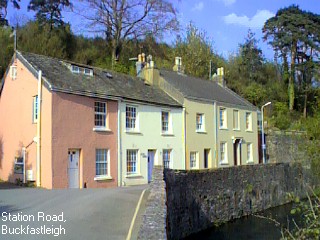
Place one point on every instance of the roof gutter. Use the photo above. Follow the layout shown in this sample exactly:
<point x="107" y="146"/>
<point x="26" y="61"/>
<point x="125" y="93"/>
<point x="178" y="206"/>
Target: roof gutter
<point x="39" y="129"/>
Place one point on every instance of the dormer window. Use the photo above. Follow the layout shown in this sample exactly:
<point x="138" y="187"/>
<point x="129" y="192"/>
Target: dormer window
<point x="75" y="69"/>
<point x="81" y="70"/>
<point x="88" y="71"/>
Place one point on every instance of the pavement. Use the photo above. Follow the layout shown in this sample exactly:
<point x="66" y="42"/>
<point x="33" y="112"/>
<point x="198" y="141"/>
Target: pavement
<point x="88" y="214"/>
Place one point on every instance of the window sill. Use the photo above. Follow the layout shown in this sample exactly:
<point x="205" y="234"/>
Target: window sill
<point x="134" y="176"/>
<point x="167" y="134"/>
<point x="250" y="131"/>
<point x="102" y="178"/>
<point x="251" y="162"/>
<point x="237" y="129"/>
<point x="97" y="129"/>
<point x="132" y="132"/>
<point x="223" y="163"/>
<point x="223" y="128"/>
<point x="201" y="131"/>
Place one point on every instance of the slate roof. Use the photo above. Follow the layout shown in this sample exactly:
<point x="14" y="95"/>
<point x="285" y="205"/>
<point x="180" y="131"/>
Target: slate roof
<point x="197" y="88"/>
<point x="59" y="78"/>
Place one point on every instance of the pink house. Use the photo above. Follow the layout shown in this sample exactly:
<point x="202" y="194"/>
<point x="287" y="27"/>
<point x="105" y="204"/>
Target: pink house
<point x="58" y="123"/>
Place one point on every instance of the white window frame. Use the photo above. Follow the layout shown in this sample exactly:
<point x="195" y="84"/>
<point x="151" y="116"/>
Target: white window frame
<point x="169" y="127"/>
<point x="35" y="108"/>
<point x="167" y="158"/>
<point x="194" y="160"/>
<point x="100" y="114"/>
<point x="236" y="122"/>
<point x="248" y="119"/>
<point x="105" y="160"/>
<point x="18" y="165"/>
<point x="249" y="153"/>
<point x="131" y="120"/>
<point x="13" y="72"/>
<point x="223" y="158"/>
<point x="223" y="124"/>
<point x="75" y="69"/>
<point x="200" y="125"/>
<point x="88" y="71"/>
<point x="134" y="153"/>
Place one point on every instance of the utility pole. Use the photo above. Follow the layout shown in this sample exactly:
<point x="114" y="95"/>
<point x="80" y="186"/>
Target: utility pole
<point x="210" y="70"/>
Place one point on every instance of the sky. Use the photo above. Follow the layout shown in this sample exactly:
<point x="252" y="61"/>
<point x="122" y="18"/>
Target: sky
<point x="226" y="22"/>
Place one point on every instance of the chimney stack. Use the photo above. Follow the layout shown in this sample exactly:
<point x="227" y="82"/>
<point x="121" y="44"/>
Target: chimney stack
<point x="178" y="65"/>
<point x="219" y="77"/>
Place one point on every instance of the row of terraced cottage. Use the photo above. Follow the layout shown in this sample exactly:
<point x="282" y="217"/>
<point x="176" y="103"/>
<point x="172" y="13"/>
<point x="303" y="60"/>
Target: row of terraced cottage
<point x="67" y="125"/>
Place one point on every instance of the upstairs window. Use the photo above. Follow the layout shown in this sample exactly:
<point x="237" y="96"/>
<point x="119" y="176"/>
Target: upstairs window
<point x="223" y="118"/>
<point x="200" y="122"/>
<point x="82" y="70"/>
<point x="131" y="117"/>
<point x="75" y="69"/>
<point x="236" y="119"/>
<point x="100" y="114"/>
<point x="165" y="121"/>
<point x="35" y="109"/>
<point x="248" y="121"/>
<point x="13" y="72"/>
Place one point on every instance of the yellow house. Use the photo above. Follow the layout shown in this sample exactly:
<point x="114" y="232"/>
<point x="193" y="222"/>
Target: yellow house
<point x="220" y="127"/>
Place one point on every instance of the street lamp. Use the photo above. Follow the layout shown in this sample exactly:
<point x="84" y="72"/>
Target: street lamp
<point x="262" y="134"/>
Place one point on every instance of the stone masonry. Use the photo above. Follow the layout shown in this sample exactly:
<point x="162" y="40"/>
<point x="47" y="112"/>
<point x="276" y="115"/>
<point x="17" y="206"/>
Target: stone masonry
<point x="154" y="219"/>
<point x="198" y="199"/>
<point x="285" y="146"/>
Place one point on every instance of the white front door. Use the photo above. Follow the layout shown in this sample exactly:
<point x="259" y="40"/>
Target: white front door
<point x="73" y="168"/>
<point x="151" y="154"/>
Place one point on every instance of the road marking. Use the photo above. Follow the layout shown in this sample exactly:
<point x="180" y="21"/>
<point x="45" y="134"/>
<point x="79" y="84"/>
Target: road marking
<point x="135" y="215"/>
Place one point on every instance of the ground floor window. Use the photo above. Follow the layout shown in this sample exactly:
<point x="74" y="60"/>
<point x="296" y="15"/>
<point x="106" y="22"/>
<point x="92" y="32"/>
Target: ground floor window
<point x="166" y="156"/>
<point x="249" y="152"/>
<point x="223" y="153"/>
<point x="132" y="159"/>
<point x="193" y="159"/>
<point x="102" y="162"/>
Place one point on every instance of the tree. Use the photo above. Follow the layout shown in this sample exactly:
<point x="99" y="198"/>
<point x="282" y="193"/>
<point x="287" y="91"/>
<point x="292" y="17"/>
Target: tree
<point x="49" y="11"/>
<point x="290" y="30"/>
<point x="251" y="59"/>
<point x="6" y="50"/>
<point x="196" y="52"/>
<point x="57" y="42"/>
<point x="3" y="10"/>
<point x="121" y="20"/>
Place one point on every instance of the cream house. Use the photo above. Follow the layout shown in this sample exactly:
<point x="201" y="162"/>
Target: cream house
<point x="220" y="126"/>
<point x="150" y="134"/>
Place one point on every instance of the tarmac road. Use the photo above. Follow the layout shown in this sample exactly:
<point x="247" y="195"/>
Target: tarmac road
<point x="86" y="214"/>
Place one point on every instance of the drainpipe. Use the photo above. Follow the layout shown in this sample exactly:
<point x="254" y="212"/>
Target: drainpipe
<point x="184" y="137"/>
<point x="119" y="147"/>
<point x="24" y="164"/>
<point x="216" y="134"/>
<point x="39" y="129"/>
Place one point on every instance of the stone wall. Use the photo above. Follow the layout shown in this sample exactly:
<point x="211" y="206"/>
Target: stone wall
<point x="198" y="199"/>
<point x="285" y="146"/>
<point x="154" y="219"/>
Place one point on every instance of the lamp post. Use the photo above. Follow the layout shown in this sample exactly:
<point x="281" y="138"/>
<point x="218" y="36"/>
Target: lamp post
<point x="262" y="134"/>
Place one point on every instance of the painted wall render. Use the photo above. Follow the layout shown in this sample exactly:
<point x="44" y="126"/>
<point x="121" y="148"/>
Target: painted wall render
<point x="17" y="128"/>
<point x="72" y="128"/>
<point x="198" y="141"/>
<point x="148" y="136"/>
<point x="229" y="134"/>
